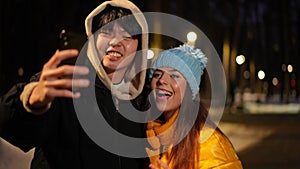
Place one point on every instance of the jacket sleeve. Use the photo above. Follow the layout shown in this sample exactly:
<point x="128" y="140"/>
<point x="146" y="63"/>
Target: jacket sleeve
<point x="17" y="125"/>
<point x="26" y="92"/>
<point x="9" y="104"/>
<point x="25" y="95"/>
<point x="217" y="152"/>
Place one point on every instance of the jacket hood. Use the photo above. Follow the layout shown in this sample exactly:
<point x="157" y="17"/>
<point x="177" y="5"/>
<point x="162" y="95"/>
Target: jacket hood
<point x="134" y="78"/>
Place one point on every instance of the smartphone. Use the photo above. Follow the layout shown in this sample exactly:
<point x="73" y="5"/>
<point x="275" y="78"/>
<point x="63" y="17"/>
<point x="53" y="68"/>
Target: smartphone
<point x="70" y="40"/>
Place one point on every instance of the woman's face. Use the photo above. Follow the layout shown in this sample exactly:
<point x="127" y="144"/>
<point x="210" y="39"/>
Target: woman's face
<point x="116" y="47"/>
<point x="169" y="88"/>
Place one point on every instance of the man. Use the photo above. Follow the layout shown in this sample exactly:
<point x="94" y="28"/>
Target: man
<point x="113" y="70"/>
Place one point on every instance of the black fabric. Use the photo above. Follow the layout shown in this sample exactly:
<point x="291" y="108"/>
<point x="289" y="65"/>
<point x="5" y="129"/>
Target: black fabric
<point x="6" y="110"/>
<point x="60" y="140"/>
<point x="39" y="160"/>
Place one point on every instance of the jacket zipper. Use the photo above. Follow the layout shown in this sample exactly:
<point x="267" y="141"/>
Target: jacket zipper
<point x="116" y="125"/>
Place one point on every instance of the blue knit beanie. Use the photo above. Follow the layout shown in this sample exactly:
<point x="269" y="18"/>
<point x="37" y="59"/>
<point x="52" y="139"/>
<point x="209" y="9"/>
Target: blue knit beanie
<point x="188" y="61"/>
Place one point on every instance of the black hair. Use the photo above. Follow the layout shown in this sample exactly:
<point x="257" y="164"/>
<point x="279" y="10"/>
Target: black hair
<point x="124" y="18"/>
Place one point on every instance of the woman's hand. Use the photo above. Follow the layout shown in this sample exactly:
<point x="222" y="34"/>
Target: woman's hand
<point x="51" y="84"/>
<point x="161" y="164"/>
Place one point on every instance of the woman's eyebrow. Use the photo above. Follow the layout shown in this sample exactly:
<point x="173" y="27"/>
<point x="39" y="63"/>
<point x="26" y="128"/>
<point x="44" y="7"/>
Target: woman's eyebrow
<point x="174" y="70"/>
<point x="158" y="70"/>
<point x="171" y="70"/>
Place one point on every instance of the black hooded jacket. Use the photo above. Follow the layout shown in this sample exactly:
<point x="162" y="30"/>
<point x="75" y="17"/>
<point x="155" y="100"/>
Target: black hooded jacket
<point x="64" y="133"/>
<point x="59" y="136"/>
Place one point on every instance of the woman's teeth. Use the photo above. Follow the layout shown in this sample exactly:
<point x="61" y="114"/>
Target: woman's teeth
<point x="161" y="93"/>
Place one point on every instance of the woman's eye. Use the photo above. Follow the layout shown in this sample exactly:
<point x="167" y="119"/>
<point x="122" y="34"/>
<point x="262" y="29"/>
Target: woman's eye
<point x="157" y="75"/>
<point x="174" y="76"/>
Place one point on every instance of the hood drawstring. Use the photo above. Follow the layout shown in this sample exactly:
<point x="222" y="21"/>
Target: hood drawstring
<point x="117" y="104"/>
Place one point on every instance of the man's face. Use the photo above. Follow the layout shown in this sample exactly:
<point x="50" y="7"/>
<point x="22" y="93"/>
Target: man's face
<point x="116" y="47"/>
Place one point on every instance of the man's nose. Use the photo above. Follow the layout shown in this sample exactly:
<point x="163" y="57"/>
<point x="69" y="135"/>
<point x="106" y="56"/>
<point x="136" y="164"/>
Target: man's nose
<point x="115" y="40"/>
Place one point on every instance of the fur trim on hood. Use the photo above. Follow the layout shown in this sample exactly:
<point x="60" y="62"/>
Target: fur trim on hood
<point x="135" y="75"/>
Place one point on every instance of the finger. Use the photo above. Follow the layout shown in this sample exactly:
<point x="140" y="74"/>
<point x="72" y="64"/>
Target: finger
<point x="59" y="56"/>
<point x="151" y="166"/>
<point x="67" y="83"/>
<point x="63" y="93"/>
<point x="71" y="69"/>
<point x="64" y="71"/>
<point x="81" y="70"/>
<point x="163" y="165"/>
<point x="80" y="83"/>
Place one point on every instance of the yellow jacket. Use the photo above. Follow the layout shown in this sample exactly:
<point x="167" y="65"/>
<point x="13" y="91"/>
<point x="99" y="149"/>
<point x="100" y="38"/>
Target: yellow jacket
<point x="216" y="151"/>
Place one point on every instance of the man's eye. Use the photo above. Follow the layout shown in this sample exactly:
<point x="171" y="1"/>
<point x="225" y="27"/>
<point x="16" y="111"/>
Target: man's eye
<point x="105" y="32"/>
<point x="127" y="37"/>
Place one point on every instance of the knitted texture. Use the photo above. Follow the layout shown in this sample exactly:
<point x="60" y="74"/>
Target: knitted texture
<point x="188" y="61"/>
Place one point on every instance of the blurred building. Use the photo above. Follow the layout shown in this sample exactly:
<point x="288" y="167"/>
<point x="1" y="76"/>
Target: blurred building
<point x="264" y="31"/>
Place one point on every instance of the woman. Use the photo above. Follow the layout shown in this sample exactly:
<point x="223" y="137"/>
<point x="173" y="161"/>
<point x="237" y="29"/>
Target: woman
<point x="183" y="137"/>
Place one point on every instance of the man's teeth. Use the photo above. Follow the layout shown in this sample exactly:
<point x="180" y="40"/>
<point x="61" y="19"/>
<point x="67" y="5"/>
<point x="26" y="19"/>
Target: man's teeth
<point x="114" y="54"/>
<point x="163" y="93"/>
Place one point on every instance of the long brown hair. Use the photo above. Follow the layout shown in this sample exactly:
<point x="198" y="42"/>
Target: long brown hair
<point x="188" y="128"/>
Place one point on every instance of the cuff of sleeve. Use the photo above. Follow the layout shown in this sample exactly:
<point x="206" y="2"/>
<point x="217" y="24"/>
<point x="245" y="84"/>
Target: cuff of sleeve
<point x="24" y="97"/>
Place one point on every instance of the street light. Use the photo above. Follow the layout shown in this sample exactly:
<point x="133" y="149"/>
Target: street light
<point x="240" y="59"/>
<point x="275" y="81"/>
<point x="150" y="54"/>
<point x="289" y="68"/>
<point x="191" y="38"/>
<point x="261" y="74"/>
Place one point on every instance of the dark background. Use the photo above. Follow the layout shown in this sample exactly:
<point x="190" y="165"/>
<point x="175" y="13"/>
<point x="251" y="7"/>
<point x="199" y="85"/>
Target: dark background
<point x="265" y="31"/>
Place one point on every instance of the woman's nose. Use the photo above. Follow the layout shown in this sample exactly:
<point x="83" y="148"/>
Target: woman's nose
<point x="164" y="78"/>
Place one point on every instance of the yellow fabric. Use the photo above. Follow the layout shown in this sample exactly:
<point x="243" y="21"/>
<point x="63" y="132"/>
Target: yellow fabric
<point x="216" y="151"/>
<point x="160" y="135"/>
